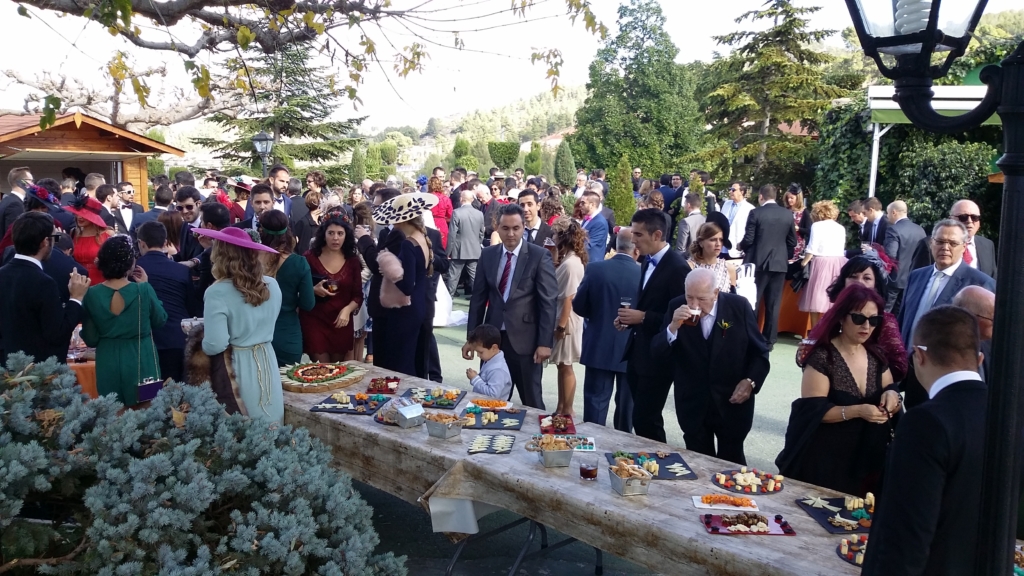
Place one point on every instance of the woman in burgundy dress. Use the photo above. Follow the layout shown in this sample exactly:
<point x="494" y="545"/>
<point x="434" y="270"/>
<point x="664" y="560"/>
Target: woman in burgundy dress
<point x="337" y="284"/>
<point x="443" y="211"/>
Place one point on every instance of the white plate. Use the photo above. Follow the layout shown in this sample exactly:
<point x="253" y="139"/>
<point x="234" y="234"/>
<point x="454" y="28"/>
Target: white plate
<point x="698" y="504"/>
<point x="507" y="405"/>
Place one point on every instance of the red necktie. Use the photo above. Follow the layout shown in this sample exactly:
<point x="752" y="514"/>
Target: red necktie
<point x="967" y="254"/>
<point x="505" y="274"/>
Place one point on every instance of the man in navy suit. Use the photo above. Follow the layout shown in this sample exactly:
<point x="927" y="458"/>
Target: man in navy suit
<point x="936" y="286"/>
<point x="607" y="285"/>
<point x="595" y="225"/>
<point x="162" y="199"/>
<point x="33" y="319"/>
<point x="719" y="362"/>
<point x="173" y="285"/>
<point x="980" y="253"/>
<point x="189" y="202"/>
<point x="278" y="180"/>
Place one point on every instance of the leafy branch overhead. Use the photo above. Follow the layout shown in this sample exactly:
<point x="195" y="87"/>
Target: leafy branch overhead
<point x="353" y="33"/>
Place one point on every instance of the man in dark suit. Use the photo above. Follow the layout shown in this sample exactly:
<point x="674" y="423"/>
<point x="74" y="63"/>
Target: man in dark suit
<point x="126" y="210"/>
<point x="719" y="359"/>
<point x="465" y="235"/>
<point x="173" y="285"/>
<point x="927" y="514"/>
<point x="768" y="244"/>
<point x="515" y="291"/>
<point x="12" y="205"/>
<point x="106" y="194"/>
<point x="215" y="216"/>
<point x="875" y="224"/>
<point x="981" y="303"/>
<point x="278" y="181"/>
<point x="162" y="199"/>
<point x="299" y="209"/>
<point x="58" y="266"/>
<point x="261" y="201"/>
<point x="33" y="319"/>
<point x="931" y="287"/>
<point x="537" y="230"/>
<point x="901" y="239"/>
<point x="980" y="253"/>
<point x="606" y="286"/>
<point x="595" y="225"/>
<point x="188" y="203"/>
<point x="662" y="277"/>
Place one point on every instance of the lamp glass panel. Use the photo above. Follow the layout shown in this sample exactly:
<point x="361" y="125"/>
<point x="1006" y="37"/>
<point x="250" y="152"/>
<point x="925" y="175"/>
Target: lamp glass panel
<point x="878" y="17"/>
<point x="955" y="16"/>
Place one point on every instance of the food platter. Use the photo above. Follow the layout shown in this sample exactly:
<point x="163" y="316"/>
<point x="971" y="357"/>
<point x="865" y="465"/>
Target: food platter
<point x="853" y="550"/>
<point x="385" y="385"/>
<point x="556" y="424"/>
<point x="510" y="419"/>
<point x="746" y="524"/>
<point x="491" y="403"/>
<point x="662" y="465"/>
<point x="448" y="398"/>
<point x="492" y="444"/>
<point x="316" y="377"/>
<point x="725" y="502"/>
<point x="579" y="442"/>
<point x="854" y="514"/>
<point x="748" y="481"/>
<point x="343" y="403"/>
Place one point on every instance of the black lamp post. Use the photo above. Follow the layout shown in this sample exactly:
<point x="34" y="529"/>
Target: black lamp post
<point x="263" y="143"/>
<point x="904" y="38"/>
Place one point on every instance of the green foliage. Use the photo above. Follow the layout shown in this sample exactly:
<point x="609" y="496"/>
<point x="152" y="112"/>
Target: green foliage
<point x="374" y="163"/>
<point x="294" y="101"/>
<point x="569" y="204"/>
<point x="620" y="192"/>
<point x="504" y="154"/>
<point x="434" y="128"/>
<point x="932" y="178"/>
<point x="565" y="166"/>
<point x="844" y="163"/>
<point x="547" y="163"/>
<point x="388" y="152"/>
<point x="1009" y="21"/>
<point x="432" y="161"/>
<point x="461" y="148"/>
<point x="178" y="488"/>
<point x="524" y="120"/>
<point x="337" y="174"/>
<point x="532" y="163"/>
<point x="640" y="101"/>
<point x="483" y="157"/>
<point x="357" y="166"/>
<point x="156" y="134"/>
<point x="155" y="166"/>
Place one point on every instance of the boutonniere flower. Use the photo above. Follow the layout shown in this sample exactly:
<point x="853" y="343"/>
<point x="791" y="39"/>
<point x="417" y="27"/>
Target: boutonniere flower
<point x="724" y="326"/>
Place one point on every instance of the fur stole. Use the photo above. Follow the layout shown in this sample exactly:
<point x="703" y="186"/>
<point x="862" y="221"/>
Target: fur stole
<point x="392" y="273"/>
<point x="218" y="370"/>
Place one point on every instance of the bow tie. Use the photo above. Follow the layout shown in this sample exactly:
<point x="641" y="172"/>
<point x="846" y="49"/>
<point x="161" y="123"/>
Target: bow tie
<point x="651" y="260"/>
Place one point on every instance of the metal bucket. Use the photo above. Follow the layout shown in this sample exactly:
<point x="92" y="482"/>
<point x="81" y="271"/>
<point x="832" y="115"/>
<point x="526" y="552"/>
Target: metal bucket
<point x="630" y="486"/>
<point x="556" y="458"/>
<point x="443" y="431"/>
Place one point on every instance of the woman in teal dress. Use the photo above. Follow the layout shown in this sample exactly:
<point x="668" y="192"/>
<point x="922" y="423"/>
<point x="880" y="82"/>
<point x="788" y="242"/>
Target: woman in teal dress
<point x="239" y="316"/>
<point x="119" y="320"/>
<point x="295" y="280"/>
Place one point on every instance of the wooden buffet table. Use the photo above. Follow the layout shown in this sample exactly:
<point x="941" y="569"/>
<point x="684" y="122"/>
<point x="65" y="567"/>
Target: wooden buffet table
<point x="85" y="372"/>
<point x="660" y="531"/>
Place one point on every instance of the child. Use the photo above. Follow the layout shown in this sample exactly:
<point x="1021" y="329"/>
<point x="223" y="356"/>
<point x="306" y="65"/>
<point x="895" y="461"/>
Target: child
<point x="493" y="379"/>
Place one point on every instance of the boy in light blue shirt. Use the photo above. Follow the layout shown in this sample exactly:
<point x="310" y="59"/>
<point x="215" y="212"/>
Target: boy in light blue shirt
<point x="493" y="379"/>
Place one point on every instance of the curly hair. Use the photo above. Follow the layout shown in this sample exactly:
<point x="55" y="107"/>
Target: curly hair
<point x="824" y="210"/>
<point x="569" y="237"/>
<point x="656" y="200"/>
<point x="362" y="214"/>
<point x="348" y="245"/>
<point x="707" y="231"/>
<point x="244" y="268"/>
<point x="115" y="259"/>
<point x="551" y="206"/>
<point x="435" y="185"/>
<point x="318" y="178"/>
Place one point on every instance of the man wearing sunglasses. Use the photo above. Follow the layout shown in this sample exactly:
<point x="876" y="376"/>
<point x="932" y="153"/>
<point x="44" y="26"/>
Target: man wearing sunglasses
<point x="187" y="202"/>
<point x="980" y="253"/>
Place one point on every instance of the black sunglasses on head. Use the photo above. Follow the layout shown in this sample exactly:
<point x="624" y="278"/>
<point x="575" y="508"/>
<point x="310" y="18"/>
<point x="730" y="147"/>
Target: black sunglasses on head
<point x="965" y="218"/>
<point x="860" y="319"/>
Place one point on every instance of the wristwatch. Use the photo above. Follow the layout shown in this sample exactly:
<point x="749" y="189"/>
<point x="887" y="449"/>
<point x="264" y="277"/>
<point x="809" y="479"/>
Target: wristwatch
<point x="753" y="385"/>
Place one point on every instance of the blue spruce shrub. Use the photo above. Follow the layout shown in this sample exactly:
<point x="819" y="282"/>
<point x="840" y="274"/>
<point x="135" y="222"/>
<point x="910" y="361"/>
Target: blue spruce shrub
<point x="179" y="488"/>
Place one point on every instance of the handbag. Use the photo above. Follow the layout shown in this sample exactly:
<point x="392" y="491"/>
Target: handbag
<point x="147" y="388"/>
<point x="799" y="277"/>
<point x="745" y="285"/>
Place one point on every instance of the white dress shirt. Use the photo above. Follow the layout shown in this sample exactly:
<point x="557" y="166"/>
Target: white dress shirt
<point x="828" y="238"/>
<point x="707" y="323"/>
<point x="974" y="253"/>
<point x="127" y="214"/>
<point x="951" y="378"/>
<point x="937" y="281"/>
<point x="512" y="271"/>
<point x="737" y="224"/>
<point x="650" y="269"/>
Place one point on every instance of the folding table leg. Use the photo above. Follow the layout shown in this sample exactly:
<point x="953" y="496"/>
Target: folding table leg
<point x="543" y="536"/>
<point x="526" y="546"/>
<point x="599" y="566"/>
<point x="484" y="536"/>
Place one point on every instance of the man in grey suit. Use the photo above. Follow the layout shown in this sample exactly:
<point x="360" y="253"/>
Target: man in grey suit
<point x="687" y="233"/>
<point x="465" y="233"/>
<point x="935" y="286"/>
<point x="980" y="253"/>
<point x="515" y="292"/>
<point x="607" y="285"/>
<point x="901" y="239"/>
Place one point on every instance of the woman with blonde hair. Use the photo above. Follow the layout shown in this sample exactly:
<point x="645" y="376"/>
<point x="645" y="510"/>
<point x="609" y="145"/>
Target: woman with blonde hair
<point x="826" y="255"/>
<point x="704" y="253"/>
<point x="293" y="278"/>
<point x="239" y="319"/>
<point x="570" y="259"/>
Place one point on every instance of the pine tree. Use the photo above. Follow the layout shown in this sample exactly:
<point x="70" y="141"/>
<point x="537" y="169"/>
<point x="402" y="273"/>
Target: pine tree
<point x="620" y="192"/>
<point x="357" y="167"/>
<point x="565" y="166"/>
<point x="293" y="103"/>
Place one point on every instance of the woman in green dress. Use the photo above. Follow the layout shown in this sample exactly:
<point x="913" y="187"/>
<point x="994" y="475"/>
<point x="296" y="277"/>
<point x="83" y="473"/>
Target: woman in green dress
<point x="119" y="320"/>
<point x="295" y="280"/>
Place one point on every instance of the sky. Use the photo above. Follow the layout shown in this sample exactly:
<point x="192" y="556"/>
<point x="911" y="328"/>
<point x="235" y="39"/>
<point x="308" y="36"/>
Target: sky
<point x="452" y="82"/>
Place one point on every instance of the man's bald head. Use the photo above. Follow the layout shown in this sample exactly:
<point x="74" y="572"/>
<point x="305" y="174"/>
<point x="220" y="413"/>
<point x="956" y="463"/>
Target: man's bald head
<point x="896" y="210"/>
<point x="969" y="213"/>
<point x="981" y="303"/>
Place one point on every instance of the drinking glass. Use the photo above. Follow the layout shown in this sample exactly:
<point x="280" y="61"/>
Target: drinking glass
<point x="588" y="466"/>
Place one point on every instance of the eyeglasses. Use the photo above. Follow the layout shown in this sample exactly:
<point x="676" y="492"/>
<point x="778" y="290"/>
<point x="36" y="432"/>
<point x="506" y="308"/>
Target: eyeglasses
<point x="185" y="207"/>
<point x="948" y="243"/>
<point x="965" y="218"/>
<point x="860" y="319"/>
<point x="979" y="316"/>
<point x="55" y="237"/>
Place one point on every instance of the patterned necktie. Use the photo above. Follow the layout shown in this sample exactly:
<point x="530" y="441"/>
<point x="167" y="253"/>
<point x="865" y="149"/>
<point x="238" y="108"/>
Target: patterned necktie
<point x="505" y="274"/>
<point x="968" y="259"/>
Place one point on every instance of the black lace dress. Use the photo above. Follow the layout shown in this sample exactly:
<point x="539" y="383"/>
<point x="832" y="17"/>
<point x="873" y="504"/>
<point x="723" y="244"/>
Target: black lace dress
<point x="846" y="456"/>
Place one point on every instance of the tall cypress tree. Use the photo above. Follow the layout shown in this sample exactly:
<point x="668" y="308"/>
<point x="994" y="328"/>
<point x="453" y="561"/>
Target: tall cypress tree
<point x="565" y="166"/>
<point x="293" y="102"/>
<point x="357" y="166"/>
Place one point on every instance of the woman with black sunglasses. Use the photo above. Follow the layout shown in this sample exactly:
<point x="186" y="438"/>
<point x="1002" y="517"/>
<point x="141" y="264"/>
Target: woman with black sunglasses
<point x="841" y="425"/>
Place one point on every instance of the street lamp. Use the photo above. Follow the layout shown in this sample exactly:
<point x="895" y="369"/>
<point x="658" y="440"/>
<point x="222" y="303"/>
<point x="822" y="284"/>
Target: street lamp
<point x="912" y="33"/>
<point x="263" y="143"/>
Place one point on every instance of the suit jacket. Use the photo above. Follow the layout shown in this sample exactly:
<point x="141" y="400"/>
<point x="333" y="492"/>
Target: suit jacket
<point x="770" y="238"/>
<point x="927" y="515"/>
<point x="597" y="300"/>
<point x="119" y="223"/>
<point x="918" y="284"/>
<point x="172" y="283"/>
<point x="10" y="208"/>
<point x="987" y="363"/>
<point x="883" y="227"/>
<point x="529" y="313"/>
<point x="58" y="266"/>
<point x="140" y="219"/>
<point x="609" y="216"/>
<point x="368" y="249"/>
<point x="246" y="224"/>
<point x="985" y="249"/>
<point x="190" y="247"/>
<point x="597" y="237"/>
<point x="298" y="209"/>
<point x="687" y="233"/>
<point x="287" y="207"/>
<point x="465" y="233"/>
<point x="667" y="283"/>
<point x="67" y="198"/>
<point x="304" y="229"/>
<point x="901" y="239"/>
<point x="110" y="221"/>
<point x="33" y="319"/>
<point x="543" y="233"/>
<point x="64" y="218"/>
<point x="706" y="372"/>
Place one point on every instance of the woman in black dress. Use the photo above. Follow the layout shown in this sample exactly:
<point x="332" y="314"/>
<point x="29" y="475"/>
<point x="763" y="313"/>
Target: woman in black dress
<point x="840" y="427"/>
